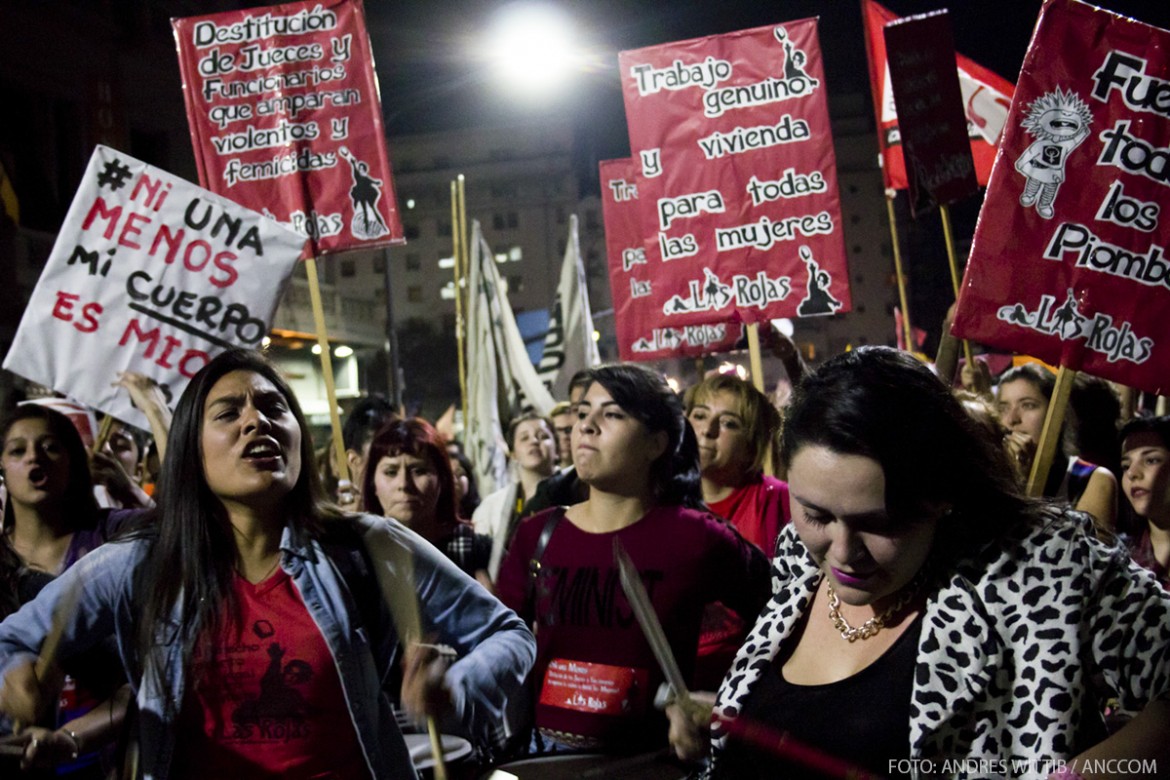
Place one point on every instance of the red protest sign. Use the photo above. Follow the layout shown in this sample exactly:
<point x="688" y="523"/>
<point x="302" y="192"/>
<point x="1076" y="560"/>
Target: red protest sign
<point x="285" y="119"/>
<point x="1069" y="257"/>
<point x="986" y="98"/>
<point x="738" y="183"/>
<point x="639" y="335"/>
<point x="930" y="110"/>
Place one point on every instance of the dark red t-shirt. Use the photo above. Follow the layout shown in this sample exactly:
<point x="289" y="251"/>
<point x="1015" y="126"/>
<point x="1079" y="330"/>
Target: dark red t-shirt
<point x="595" y="674"/>
<point x="271" y="704"/>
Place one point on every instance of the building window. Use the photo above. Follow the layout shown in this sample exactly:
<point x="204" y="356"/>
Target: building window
<point x="515" y="283"/>
<point x="410" y="231"/>
<point x="497" y="221"/>
<point x="380" y="263"/>
<point x="414" y="294"/>
<point x="348" y="269"/>
<point x="413" y="262"/>
<point x="513" y="219"/>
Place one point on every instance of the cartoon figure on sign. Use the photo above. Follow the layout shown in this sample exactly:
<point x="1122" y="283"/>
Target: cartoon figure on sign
<point x="818" y="300"/>
<point x="364" y="195"/>
<point x="793" y="58"/>
<point x="1059" y="121"/>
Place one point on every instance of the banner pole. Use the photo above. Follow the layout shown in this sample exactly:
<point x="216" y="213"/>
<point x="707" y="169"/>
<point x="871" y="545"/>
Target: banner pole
<point x="899" y="274"/>
<point x="456" y="235"/>
<point x="956" y="282"/>
<point x="1050" y="434"/>
<point x="463" y="262"/>
<point x="326" y="368"/>
<point x="753" y="334"/>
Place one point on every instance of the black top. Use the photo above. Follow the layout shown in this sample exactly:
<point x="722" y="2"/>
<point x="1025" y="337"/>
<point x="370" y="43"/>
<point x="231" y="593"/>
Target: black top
<point x="863" y="719"/>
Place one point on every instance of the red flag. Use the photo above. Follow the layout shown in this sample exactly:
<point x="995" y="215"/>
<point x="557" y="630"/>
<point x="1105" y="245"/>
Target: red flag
<point x="286" y="119"/>
<point x="986" y="98"/>
<point x="640" y="333"/>
<point x="1069" y="261"/>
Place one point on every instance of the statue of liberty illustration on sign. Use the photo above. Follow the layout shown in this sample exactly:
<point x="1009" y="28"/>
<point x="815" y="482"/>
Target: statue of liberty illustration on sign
<point x="364" y="195"/>
<point x="819" y="300"/>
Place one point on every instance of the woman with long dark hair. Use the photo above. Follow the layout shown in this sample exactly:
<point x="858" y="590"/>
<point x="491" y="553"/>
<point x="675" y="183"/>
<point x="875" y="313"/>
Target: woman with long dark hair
<point x="244" y="609"/>
<point x="596" y="676"/>
<point x="51" y="520"/>
<point x="926" y="618"/>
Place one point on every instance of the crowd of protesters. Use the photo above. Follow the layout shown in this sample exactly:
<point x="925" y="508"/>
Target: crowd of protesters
<point x="228" y="609"/>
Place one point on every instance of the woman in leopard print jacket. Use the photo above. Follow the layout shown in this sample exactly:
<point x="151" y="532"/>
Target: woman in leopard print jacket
<point x="927" y="621"/>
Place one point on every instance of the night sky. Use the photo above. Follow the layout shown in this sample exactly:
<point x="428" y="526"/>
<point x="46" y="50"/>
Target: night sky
<point x="430" y="82"/>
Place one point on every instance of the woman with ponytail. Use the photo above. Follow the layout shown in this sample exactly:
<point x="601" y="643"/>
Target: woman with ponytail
<point x="595" y="677"/>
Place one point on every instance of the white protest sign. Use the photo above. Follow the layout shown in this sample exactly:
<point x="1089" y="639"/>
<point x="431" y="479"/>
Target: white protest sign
<point x="153" y="274"/>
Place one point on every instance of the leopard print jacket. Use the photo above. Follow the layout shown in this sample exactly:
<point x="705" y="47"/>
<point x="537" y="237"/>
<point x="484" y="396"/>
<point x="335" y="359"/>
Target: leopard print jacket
<point x="1013" y="643"/>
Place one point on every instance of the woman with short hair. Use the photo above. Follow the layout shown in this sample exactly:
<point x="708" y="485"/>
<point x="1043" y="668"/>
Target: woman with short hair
<point x="924" y="612"/>
<point x="596" y="675"/>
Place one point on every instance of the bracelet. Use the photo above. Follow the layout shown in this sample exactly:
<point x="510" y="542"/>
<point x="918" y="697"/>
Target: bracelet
<point x="76" y="742"/>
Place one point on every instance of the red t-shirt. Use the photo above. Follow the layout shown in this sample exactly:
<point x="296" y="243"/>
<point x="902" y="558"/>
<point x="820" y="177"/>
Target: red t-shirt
<point x="758" y="510"/>
<point x="270" y="704"/>
<point x="595" y="673"/>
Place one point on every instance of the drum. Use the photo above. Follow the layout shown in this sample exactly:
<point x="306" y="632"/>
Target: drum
<point x="659" y="765"/>
<point x="457" y="755"/>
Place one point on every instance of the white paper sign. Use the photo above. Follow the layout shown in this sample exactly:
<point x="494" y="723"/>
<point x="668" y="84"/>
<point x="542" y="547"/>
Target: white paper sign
<point x="153" y="274"/>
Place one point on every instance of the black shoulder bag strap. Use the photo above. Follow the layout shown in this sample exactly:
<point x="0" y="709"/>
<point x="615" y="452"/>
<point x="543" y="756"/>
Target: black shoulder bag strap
<point x="546" y="533"/>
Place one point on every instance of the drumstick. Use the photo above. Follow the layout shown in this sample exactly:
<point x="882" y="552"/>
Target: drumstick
<point x="784" y="745"/>
<point x="403" y="604"/>
<point x="648" y="619"/>
<point x="62" y="613"/>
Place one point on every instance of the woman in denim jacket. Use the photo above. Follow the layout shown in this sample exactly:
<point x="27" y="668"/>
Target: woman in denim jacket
<point x="251" y="641"/>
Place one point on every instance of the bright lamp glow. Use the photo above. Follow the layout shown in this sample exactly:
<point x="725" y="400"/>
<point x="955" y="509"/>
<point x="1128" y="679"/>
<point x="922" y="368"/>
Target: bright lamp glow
<point x="531" y="48"/>
<point x="342" y="351"/>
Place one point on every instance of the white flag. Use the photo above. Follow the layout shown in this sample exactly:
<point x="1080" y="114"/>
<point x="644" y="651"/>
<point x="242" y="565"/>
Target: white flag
<point x="501" y="380"/>
<point x="569" y="346"/>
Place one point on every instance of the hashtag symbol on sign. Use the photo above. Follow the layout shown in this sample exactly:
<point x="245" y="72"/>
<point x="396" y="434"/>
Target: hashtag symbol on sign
<point x="114" y="174"/>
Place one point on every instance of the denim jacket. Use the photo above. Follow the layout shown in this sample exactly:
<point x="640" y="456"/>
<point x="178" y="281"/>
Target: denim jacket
<point x="495" y="649"/>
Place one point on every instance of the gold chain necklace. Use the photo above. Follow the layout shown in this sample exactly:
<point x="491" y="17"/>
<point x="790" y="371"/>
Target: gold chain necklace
<point x="875" y="624"/>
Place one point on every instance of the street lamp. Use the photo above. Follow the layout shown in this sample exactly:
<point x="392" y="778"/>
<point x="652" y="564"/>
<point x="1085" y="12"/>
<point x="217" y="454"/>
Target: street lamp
<point x="531" y="48"/>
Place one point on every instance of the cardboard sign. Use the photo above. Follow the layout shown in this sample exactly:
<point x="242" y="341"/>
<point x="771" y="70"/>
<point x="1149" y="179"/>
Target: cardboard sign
<point x="930" y="110"/>
<point x="1069" y="259"/>
<point x="285" y="119"/>
<point x="737" y="190"/>
<point x="641" y="333"/>
<point x="986" y="98"/>
<point x="150" y="274"/>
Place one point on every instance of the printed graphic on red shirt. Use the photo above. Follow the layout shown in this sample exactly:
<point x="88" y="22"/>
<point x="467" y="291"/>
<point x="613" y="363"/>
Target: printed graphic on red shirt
<point x="271" y="700"/>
